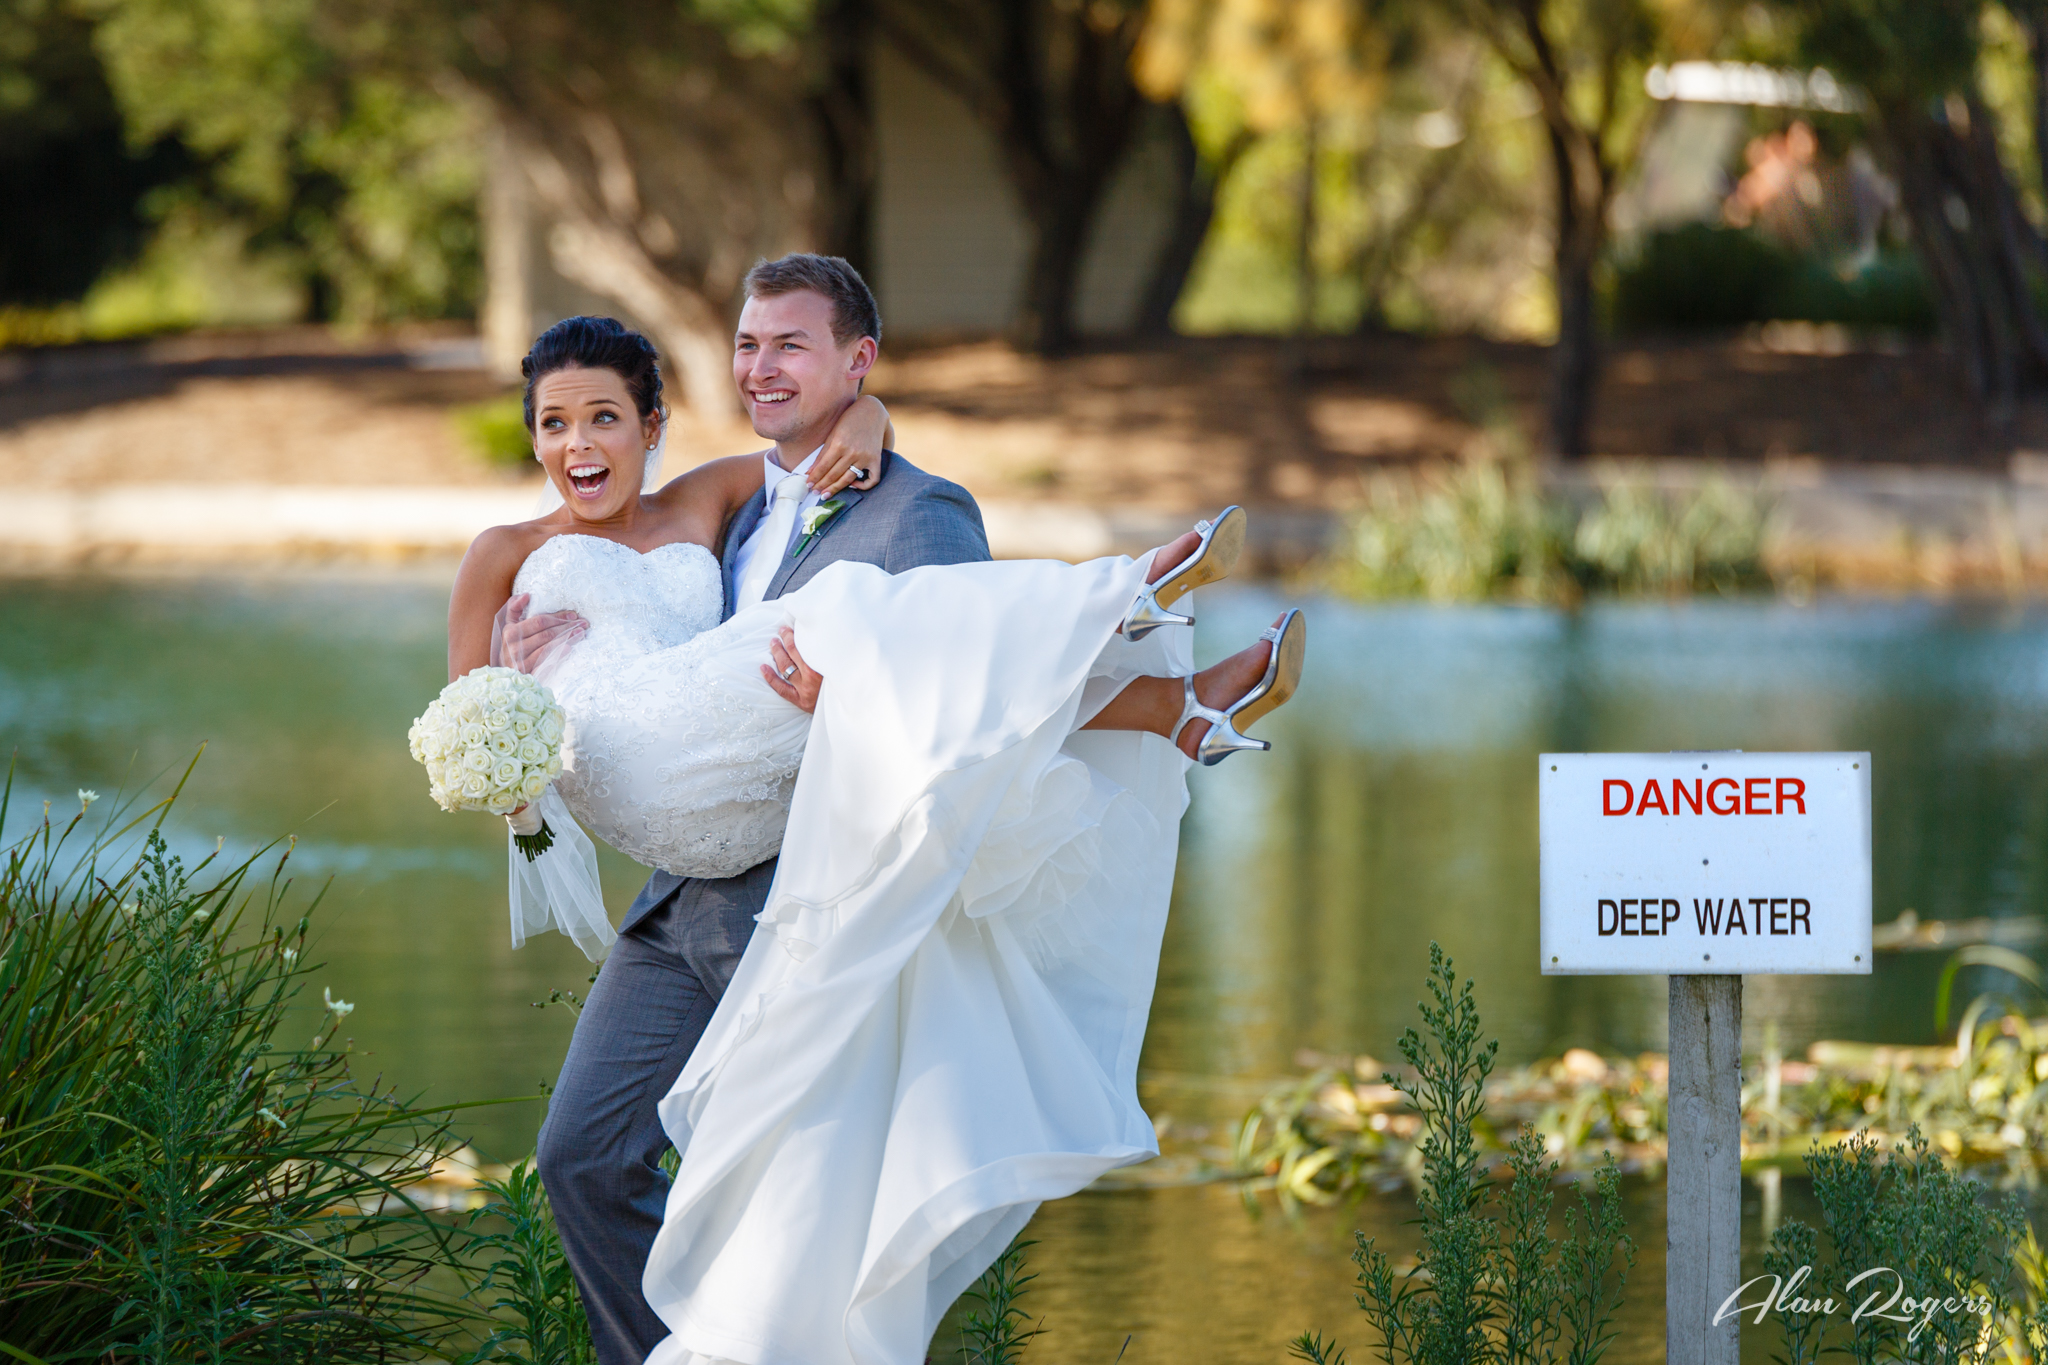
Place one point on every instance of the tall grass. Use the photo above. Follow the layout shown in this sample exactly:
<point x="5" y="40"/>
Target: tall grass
<point x="177" y="1186"/>
<point x="1485" y="529"/>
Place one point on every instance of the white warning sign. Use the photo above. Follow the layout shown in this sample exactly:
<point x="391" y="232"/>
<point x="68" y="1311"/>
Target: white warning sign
<point x="1705" y="863"/>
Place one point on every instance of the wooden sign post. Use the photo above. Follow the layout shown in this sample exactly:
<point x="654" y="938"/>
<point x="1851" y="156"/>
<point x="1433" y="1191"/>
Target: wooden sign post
<point x="1701" y="867"/>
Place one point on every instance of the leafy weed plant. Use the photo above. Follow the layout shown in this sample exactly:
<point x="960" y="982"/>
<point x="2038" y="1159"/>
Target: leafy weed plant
<point x="1939" y="1261"/>
<point x="996" y="1332"/>
<point x="1491" y="1284"/>
<point x="531" y="1279"/>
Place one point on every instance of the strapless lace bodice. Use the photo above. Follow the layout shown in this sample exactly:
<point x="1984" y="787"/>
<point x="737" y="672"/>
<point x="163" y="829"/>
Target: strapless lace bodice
<point x="675" y="751"/>
<point x="635" y="603"/>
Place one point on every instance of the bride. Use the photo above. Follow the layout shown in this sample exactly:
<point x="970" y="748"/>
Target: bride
<point x="938" y="1026"/>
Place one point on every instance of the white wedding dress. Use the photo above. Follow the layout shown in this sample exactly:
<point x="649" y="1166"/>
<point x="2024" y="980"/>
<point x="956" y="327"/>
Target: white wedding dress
<point x="941" y="1027"/>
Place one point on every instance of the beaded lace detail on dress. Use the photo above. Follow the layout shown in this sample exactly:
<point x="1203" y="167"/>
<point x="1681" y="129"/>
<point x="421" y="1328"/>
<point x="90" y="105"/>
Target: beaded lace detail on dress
<point x="676" y="752"/>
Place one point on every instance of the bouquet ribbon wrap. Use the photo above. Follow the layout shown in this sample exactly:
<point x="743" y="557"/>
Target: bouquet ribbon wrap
<point x="558" y="889"/>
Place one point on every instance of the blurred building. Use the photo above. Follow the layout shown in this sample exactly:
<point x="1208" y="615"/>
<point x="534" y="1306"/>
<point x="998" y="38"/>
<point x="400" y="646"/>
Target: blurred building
<point x="950" y="243"/>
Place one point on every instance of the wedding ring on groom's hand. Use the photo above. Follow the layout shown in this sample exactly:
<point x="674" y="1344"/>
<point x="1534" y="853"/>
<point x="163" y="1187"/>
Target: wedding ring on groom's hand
<point x="787" y="673"/>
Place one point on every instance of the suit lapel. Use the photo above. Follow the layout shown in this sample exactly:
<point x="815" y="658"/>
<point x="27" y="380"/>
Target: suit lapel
<point x="743" y="524"/>
<point x="791" y="563"/>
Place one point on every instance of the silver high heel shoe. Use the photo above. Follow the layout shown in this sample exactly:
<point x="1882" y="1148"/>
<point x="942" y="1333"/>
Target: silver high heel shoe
<point x="1222" y="542"/>
<point x="1283" y="675"/>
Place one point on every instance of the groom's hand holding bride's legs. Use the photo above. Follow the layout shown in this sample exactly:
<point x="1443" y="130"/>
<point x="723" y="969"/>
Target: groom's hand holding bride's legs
<point x="795" y="681"/>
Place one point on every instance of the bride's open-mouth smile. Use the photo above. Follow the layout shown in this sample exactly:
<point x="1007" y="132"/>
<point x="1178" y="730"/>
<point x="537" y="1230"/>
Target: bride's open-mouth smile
<point x="587" y="479"/>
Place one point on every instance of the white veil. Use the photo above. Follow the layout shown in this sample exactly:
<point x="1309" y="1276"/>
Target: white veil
<point x="560" y="888"/>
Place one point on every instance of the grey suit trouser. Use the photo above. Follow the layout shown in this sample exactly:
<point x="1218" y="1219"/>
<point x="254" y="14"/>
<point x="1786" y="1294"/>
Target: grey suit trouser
<point x="602" y="1143"/>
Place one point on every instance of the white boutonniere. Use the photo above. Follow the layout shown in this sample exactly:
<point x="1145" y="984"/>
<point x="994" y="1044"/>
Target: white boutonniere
<point x="816" y="520"/>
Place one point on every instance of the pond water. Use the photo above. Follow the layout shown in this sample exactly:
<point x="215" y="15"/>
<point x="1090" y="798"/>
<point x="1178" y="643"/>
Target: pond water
<point x="1398" y="808"/>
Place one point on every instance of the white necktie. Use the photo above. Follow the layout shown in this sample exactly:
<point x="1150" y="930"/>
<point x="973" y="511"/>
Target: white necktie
<point x="787" y="496"/>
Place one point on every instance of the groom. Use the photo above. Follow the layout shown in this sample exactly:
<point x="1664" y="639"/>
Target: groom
<point x="807" y="337"/>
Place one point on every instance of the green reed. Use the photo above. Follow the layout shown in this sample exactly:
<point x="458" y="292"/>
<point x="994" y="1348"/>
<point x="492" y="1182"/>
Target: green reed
<point x="178" y="1185"/>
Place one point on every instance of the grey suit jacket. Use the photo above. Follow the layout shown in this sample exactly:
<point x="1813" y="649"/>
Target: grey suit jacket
<point x="907" y="519"/>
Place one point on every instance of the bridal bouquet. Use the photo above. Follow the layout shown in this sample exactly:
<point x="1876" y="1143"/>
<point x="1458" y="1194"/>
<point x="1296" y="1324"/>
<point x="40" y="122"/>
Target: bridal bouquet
<point x="492" y="741"/>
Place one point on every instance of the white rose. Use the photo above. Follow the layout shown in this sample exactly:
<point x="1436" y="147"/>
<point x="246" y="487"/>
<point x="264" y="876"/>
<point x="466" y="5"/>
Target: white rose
<point x="532" y="751"/>
<point x="469" y="709"/>
<point x="476" y="761"/>
<point x="472" y="735"/>
<point x="534" y="785"/>
<point x="554" y="768"/>
<point x="498" y="718"/>
<point x="550" y="728"/>
<point x="476" y="786"/>
<point x="503" y="804"/>
<point x="502" y="742"/>
<point x="522" y="724"/>
<point x="529" y="702"/>
<point x="506" y="773"/>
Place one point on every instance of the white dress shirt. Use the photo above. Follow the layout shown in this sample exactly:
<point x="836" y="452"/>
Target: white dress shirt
<point x="772" y="474"/>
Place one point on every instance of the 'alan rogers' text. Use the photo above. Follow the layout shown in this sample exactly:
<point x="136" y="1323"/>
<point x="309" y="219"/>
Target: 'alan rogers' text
<point x="1899" y="1307"/>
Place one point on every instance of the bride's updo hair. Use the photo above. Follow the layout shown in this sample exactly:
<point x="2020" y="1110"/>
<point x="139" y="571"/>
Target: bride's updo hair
<point x="586" y="343"/>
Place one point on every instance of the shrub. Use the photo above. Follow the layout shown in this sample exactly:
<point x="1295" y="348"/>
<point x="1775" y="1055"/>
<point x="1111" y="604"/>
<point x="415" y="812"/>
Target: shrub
<point x="1947" y="1247"/>
<point x="177" y="1186"/>
<point x="495" y="431"/>
<point x="1642" y="539"/>
<point x="1472" y="530"/>
<point x="1490" y="1284"/>
<point x="1699" y="275"/>
<point x="1703" y="276"/>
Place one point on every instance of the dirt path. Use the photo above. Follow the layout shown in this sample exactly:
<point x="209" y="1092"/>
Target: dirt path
<point x="1193" y="425"/>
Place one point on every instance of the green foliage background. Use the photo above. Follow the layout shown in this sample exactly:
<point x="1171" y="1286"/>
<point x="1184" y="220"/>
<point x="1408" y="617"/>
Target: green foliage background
<point x="253" y="161"/>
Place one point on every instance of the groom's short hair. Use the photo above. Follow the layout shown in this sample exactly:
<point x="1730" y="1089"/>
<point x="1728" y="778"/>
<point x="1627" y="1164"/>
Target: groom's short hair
<point x="854" y="314"/>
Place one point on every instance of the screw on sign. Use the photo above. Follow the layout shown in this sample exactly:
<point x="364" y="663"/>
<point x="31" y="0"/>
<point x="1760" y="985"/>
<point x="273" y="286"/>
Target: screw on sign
<point x="1702" y="867"/>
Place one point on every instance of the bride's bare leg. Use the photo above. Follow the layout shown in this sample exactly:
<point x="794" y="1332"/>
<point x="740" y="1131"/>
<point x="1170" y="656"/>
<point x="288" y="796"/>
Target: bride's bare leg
<point x="1154" y="704"/>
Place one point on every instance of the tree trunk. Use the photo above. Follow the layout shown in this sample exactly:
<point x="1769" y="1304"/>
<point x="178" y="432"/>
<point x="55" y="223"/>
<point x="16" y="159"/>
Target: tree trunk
<point x="1060" y="223"/>
<point x="1967" y="229"/>
<point x="843" y="109"/>
<point x="1575" y="358"/>
<point x="594" y="248"/>
<point x="655" y="178"/>
<point x="1050" y="81"/>
<point x="1305" y="234"/>
<point x="1193" y="210"/>
<point x="2032" y="16"/>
